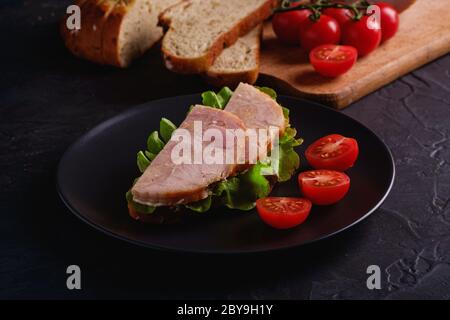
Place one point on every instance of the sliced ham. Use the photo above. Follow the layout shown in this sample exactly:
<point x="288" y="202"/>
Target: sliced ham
<point x="258" y="111"/>
<point x="167" y="183"/>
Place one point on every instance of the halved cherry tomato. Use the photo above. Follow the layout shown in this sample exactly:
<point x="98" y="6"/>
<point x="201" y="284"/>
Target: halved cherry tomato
<point x="364" y="35"/>
<point x="286" y="25"/>
<point x="334" y="152"/>
<point x="325" y="30"/>
<point x="390" y="20"/>
<point x="283" y="213"/>
<point x="341" y="15"/>
<point x="323" y="187"/>
<point x="332" y="60"/>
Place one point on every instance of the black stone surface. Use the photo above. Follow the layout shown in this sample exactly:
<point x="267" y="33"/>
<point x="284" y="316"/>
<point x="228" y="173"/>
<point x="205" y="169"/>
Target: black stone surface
<point x="48" y="99"/>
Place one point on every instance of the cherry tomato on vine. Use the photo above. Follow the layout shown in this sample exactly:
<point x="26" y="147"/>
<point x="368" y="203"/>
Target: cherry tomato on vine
<point x="325" y="30"/>
<point x="334" y="152"/>
<point x="389" y="19"/>
<point x="341" y="15"/>
<point x="324" y="187"/>
<point x="331" y="60"/>
<point x="286" y="25"/>
<point x="364" y="35"/>
<point x="283" y="213"/>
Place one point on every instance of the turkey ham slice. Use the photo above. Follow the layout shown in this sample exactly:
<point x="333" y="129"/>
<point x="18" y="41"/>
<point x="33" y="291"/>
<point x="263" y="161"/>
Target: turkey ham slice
<point x="167" y="182"/>
<point x="258" y="111"/>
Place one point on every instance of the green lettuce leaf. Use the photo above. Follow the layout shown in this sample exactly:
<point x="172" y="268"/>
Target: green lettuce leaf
<point x="286" y="113"/>
<point x="219" y="100"/>
<point x="200" y="206"/>
<point x="269" y="91"/>
<point x="150" y="156"/>
<point x="254" y="182"/>
<point x="225" y="95"/>
<point x="142" y="161"/>
<point x="229" y="192"/>
<point x="141" y="208"/>
<point x="242" y="191"/>
<point x="289" y="160"/>
<point x="166" y="128"/>
<point x="154" y="143"/>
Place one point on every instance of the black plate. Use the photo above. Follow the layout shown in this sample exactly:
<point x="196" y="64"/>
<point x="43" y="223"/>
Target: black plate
<point x="98" y="169"/>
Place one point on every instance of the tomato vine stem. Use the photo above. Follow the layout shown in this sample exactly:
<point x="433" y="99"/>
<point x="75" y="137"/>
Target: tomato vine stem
<point x="358" y="8"/>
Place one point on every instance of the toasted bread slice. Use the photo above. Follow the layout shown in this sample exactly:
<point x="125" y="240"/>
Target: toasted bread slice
<point x="199" y="30"/>
<point x="115" y="32"/>
<point x="238" y="63"/>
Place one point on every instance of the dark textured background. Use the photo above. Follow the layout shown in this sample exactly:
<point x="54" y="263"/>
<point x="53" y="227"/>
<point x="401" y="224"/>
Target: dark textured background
<point x="48" y="99"/>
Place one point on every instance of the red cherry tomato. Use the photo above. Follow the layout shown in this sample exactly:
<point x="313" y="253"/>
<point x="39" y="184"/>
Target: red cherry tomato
<point x="389" y="19"/>
<point x="283" y="213"/>
<point x="364" y="35"/>
<point x="334" y="152"/>
<point x="286" y="25"/>
<point x="332" y="60"/>
<point x="341" y="15"/>
<point x="323" y="187"/>
<point x="325" y="30"/>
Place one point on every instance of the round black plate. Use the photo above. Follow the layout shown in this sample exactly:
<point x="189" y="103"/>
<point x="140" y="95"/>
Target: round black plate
<point x="98" y="169"/>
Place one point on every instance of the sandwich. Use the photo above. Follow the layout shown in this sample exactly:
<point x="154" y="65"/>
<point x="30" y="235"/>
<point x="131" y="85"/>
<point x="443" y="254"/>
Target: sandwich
<point x="191" y="169"/>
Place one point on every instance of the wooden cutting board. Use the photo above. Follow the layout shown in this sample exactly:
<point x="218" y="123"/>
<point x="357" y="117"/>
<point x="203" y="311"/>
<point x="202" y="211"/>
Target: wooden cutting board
<point x="424" y="35"/>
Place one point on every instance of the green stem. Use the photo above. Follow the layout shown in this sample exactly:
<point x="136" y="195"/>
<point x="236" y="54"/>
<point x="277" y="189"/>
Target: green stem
<point x="316" y="7"/>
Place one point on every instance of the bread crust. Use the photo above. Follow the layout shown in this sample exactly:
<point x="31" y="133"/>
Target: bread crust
<point x="163" y="21"/>
<point x="97" y="16"/>
<point x="202" y="64"/>
<point x="72" y="38"/>
<point x="111" y="31"/>
<point x="231" y="80"/>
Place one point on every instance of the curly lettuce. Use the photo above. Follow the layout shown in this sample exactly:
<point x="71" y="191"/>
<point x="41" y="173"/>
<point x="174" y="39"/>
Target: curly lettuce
<point x="217" y="100"/>
<point x="241" y="191"/>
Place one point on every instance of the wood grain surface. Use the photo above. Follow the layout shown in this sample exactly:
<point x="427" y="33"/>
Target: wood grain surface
<point x="424" y="35"/>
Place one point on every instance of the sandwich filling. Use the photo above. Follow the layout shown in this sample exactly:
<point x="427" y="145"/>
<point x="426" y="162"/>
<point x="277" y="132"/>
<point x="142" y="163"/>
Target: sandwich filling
<point x="174" y="176"/>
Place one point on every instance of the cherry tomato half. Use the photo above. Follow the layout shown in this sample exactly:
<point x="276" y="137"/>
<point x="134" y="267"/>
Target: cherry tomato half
<point x="286" y="25"/>
<point x="341" y="15"/>
<point x="323" y="187"/>
<point x="390" y="20"/>
<point x="334" y="152"/>
<point x="364" y="35"/>
<point x="325" y="30"/>
<point x="332" y="60"/>
<point x="283" y="213"/>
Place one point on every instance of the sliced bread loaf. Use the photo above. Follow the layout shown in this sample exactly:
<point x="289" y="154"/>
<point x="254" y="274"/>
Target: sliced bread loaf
<point x="115" y="32"/>
<point x="238" y="63"/>
<point x="199" y="30"/>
